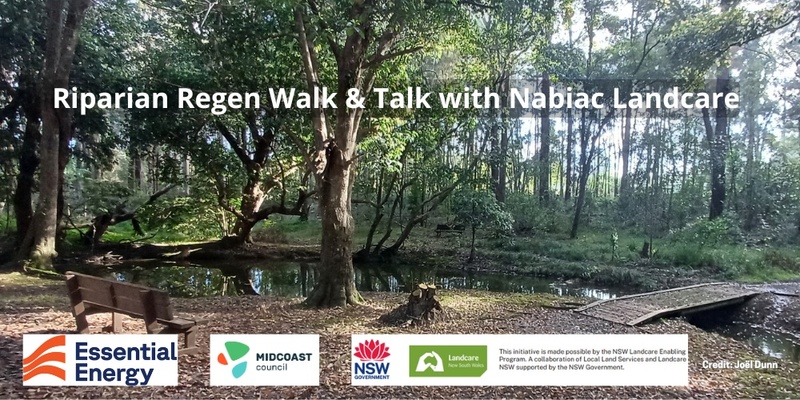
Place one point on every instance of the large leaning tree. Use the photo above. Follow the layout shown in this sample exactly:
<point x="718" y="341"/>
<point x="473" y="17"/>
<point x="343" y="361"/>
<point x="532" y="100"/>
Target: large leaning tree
<point x="355" y="38"/>
<point x="242" y="154"/>
<point x="62" y="24"/>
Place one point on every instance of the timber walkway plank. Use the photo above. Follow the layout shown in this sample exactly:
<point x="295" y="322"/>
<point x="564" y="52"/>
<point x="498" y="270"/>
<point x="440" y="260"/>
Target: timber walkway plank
<point x="640" y="308"/>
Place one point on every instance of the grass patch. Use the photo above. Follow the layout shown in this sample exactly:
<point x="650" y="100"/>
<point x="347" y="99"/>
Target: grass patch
<point x="18" y="290"/>
<point x="123" y="232"/>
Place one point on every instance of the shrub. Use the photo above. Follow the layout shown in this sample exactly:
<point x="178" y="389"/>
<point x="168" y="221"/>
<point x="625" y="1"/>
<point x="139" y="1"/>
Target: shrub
<point x="704" y="232"/>
<point x="782" y="260"/>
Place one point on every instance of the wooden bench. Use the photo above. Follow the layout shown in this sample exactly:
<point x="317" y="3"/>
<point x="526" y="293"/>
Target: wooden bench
<point x="92" y="295"/>
<point x="444" y="228"/>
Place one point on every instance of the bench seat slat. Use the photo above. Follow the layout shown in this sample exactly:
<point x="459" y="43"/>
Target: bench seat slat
<point x="125" y="296"/>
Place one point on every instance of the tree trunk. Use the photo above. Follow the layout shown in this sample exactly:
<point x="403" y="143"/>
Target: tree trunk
<point x="579" y="202"/>
<point x="718" y="136"/>
<point x="39" y="245"/>
<point x="544" y="153"/>
<point x="336" y="285"/>
<point x="494" y="157"/>
<point x="65" y="136"/>
<point x="472" y="246"/>
<point x="583" y="178"/>
<point x="625" y="184"/>
<point x="28" y="163"/>
<point x="569" y="158"/>
<point x="252" y="199"/>
<point x="502" y="165"/>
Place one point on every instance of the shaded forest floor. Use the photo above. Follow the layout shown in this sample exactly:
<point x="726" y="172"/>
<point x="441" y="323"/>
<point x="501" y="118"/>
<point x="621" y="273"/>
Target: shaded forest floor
<point x="32" y="305"/>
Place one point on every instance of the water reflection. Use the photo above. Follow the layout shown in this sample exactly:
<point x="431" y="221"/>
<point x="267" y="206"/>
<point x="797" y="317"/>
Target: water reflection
<point x="771" y="343"/>
<point x="292" y="279"/>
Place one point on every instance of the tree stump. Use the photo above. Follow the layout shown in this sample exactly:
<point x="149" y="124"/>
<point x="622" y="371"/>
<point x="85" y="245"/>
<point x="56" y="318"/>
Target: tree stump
<point x="421" y="308"/>
<point x="645" y="253"/>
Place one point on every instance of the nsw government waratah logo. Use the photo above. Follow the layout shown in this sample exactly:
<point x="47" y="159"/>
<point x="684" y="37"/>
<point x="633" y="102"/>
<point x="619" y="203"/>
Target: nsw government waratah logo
<point x="372" y="354"/>
<point x="235" y="350"/>
<point x="47" y="359"/>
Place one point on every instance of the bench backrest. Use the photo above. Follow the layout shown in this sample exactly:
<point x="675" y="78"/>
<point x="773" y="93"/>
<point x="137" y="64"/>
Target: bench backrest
<point x="127" y="298"/>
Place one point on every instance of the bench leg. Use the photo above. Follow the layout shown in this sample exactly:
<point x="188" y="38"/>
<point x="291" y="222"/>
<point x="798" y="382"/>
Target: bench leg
<point x="78" y="307"/>
<point x="79" y="311"/>
<point x="116" y="322"/>
<point x="189" y="339"/>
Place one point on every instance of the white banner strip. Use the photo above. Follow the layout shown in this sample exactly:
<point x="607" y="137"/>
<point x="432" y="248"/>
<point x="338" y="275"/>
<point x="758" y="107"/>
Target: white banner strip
<point x="520" y="360"/>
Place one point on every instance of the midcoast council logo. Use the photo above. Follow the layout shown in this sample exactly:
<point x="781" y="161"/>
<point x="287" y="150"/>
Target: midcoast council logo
<point x="371" y="364"/>
<point x="100" y="360"/>
<point x="264" y="360"/>
<point x="447" y="361"/>
<point x="234" y="351"/>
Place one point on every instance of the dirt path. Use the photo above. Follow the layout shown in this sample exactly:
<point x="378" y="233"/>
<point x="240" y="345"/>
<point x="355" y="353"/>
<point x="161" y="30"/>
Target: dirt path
<point x="33" y="306"/>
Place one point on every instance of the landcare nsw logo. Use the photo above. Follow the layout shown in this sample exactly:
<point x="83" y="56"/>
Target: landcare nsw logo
<point x="265" y="360"/>
<point x="100" y="360"/>
<point x="235" y="350"/>
<point x="372" y="354"/>
<point x="447" y="361"/>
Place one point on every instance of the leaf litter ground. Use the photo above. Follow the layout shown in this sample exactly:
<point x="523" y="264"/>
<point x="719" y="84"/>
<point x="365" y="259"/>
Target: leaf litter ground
<point x="39" y="306"/>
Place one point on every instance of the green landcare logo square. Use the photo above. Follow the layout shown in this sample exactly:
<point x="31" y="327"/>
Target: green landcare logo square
<point x="447" y="361"/>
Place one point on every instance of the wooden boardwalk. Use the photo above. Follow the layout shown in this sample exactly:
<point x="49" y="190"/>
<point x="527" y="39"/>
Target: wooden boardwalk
<point x="644" y="307"/>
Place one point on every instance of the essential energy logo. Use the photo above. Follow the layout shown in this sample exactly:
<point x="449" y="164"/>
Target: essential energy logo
<point x="447" y="361"/>
<point x="372" y="354"/>
<point x="265" y="360"/>
<point x="42" y="359"/>
<point x="100" y="360"/>
<point x="235" y="350"/>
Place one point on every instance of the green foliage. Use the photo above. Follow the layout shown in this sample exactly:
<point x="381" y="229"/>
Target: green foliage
<point x="196" y="216"/>
<point x="93" y="196"/>
<point x="708" y="233"/>
<point x="783" y="259"/>
<point x="480" y="209"/>
<point x="530" y="216"/>
<point x="700" y="36"/>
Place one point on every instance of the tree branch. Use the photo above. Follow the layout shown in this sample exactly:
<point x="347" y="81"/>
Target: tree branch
<point x="377" y="59"/>
<point x="243" y="156"/>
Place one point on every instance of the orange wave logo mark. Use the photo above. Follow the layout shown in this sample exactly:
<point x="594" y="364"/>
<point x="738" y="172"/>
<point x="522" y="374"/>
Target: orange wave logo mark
<point x="32" y="364"/>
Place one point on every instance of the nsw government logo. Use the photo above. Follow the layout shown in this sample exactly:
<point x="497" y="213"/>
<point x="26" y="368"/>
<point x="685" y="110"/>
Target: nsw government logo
<point x="100" y="360"/>
<point x="372" y="355"/>
<point x="265" y="360"/>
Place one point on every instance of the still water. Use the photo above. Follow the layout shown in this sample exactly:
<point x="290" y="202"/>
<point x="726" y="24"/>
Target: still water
<point x="775" y="344"/>
<point x="292" y="279"/>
